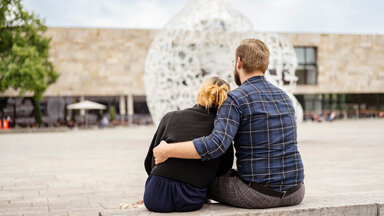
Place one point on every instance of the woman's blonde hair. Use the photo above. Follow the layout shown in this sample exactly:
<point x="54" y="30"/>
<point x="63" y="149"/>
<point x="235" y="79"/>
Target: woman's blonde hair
<point x="213" y="93"/>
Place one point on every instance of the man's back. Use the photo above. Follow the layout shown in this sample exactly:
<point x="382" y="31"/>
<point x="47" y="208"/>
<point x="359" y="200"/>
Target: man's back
<point x="266" y="141"/>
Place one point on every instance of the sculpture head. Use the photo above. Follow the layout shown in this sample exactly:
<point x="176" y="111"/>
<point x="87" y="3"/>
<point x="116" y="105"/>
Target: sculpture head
<point x="252" y="58"/>
<point x="213" y="93"/>
<point x="200" y="42"/>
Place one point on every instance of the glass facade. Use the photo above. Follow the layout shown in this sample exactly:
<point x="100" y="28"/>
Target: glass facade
<point x="55" y="113"/>
<point x="316" y="107"/>
<point x="341" y="105"/>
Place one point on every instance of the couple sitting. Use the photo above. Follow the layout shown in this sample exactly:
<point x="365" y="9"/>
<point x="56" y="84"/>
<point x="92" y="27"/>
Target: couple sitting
<point x="257" y="117"/>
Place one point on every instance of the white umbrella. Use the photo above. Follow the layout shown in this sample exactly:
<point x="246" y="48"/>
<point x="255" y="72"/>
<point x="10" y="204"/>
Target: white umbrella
<point x="86" y="105"/>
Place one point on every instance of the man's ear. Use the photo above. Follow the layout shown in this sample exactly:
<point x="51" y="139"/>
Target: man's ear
<point x="239" y="63"/>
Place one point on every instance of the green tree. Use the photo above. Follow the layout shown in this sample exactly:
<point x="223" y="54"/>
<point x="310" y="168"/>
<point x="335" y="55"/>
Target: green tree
<point x="112" y="113"/>
<point x="24" y="60"/>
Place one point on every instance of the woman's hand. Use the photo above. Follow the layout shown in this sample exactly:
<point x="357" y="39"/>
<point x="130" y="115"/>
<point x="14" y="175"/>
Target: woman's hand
<point x="160" y="152"/>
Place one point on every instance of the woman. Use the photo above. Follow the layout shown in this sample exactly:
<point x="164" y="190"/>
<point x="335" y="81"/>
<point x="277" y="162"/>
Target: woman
<point x="180" y="184"/>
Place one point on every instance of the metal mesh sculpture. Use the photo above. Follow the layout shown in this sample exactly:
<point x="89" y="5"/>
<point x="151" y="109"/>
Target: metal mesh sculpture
<point x="200" y="42"/>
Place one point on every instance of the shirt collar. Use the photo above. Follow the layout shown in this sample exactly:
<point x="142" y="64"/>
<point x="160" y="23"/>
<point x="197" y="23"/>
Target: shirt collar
<point x="202" y="109"/>
<point x="254" y="79"/>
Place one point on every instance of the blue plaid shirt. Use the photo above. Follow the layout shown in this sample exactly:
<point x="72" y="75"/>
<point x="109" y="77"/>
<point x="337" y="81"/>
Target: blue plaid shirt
<point x="260" y="119"/>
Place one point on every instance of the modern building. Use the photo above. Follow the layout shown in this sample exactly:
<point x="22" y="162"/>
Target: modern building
<point x="341" y="73"/>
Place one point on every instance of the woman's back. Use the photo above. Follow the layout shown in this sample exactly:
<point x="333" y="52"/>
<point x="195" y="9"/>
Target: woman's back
<point x="185" y="125"/>
<point x="182" y="184"/>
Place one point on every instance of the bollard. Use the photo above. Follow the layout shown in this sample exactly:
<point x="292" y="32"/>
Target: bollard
<point x="5" y="124"/>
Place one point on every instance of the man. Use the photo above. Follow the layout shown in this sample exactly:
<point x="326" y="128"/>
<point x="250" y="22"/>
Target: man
<point x="260" y="119"/>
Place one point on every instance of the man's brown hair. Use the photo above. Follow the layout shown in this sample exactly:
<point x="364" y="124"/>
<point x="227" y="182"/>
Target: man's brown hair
<point x="254" y="54"/>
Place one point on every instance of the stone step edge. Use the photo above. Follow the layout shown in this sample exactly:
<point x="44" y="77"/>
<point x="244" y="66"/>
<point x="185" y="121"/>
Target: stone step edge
<point x="371" y="209"/>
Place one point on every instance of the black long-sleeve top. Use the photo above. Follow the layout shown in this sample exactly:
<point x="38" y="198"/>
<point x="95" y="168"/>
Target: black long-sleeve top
<point x="184" y="125"/>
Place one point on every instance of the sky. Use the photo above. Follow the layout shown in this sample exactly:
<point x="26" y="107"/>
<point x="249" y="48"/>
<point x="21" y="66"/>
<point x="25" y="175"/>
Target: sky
<point x="312" y="16"/>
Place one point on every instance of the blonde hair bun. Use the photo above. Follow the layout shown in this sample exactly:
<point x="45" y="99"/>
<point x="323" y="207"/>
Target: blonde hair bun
<point x="213" y="93"/>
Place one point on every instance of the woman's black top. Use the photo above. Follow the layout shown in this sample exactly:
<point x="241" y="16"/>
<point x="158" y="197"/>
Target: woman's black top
<point x="185" y="125"/>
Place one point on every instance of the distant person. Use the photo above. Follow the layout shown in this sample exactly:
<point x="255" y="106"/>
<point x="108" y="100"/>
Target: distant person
<point x="181" y="185"/>
<point x="322" y="117"/>
<point x="104" y="122"/>
<point x="332" y="116"/>
<point x="260" y="119"/>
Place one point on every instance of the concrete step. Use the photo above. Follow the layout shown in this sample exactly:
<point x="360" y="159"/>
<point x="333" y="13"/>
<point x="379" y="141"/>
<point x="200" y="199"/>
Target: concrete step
<point x="304" y="209"/>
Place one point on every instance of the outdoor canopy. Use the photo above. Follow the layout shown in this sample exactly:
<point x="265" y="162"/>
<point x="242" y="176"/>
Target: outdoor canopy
<point x="87" y="105"/>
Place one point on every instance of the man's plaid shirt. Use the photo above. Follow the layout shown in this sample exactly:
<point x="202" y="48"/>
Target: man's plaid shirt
<point x="260" y="119"/>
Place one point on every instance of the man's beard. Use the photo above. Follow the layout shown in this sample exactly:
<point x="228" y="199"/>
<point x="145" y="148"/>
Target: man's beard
<point x="236" y="77"/>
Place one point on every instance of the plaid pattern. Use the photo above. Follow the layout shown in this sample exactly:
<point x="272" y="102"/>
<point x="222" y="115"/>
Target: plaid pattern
<point x="260" y="119"/>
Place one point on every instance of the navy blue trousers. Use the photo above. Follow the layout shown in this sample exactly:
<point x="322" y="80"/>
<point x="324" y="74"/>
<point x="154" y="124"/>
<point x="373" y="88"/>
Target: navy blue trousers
<point x="168" y="195"/>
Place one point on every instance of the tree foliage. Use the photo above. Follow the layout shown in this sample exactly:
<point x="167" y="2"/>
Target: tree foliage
<point x="24" y="60"/>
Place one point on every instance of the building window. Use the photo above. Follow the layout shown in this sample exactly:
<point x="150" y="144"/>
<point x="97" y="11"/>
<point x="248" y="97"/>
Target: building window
<point x="306" y="69"/>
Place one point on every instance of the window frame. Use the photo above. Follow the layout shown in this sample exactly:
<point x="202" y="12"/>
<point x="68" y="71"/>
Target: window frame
<point x="306" y="65"/>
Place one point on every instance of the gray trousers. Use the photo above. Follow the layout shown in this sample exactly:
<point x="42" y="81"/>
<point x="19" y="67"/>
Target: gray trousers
<point x="231" y="190"/>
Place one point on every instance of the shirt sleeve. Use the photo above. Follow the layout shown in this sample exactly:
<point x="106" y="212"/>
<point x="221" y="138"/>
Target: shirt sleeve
<point x="226" y="125"/>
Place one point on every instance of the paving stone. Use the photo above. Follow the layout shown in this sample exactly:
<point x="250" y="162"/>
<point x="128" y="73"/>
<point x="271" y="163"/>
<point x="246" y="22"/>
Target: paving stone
<point x="24" y="210"/>
<point x="18" y="204"/>
<point x="85" y="212"/>
<point x="380" y="209"/>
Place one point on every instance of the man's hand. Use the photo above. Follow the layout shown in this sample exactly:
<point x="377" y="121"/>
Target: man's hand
<point x="160" y="152"/>
<point x="184" y="150"/>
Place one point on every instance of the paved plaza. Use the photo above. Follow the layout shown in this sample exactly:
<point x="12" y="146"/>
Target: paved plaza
<point x="85" y="172"/>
